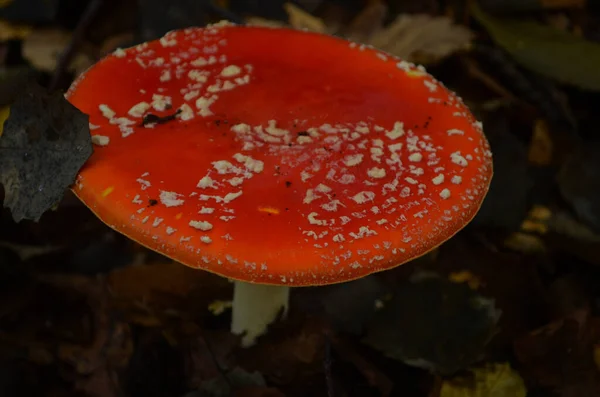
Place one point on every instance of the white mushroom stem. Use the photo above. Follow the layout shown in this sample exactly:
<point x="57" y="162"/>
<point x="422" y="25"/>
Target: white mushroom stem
<point x="255" y="306"/>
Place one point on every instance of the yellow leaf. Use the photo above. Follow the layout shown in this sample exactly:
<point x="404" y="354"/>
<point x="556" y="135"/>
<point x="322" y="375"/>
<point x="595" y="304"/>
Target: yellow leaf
<point x="525" y="243"/>
<point x="218" y="307"/>
<point x="494" y="380"/>
<point x="4" y="113"/>
<point x="465" y="276"/>
<point x="540" y="213"/>
<point x="10" y="31"/>
<point x="541" y="148"/>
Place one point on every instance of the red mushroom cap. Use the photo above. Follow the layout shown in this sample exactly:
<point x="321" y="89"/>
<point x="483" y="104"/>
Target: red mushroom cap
<point x="278" y="156"/>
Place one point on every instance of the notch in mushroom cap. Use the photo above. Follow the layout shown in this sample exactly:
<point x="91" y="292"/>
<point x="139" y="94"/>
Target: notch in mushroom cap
<point x="260" y="155"/>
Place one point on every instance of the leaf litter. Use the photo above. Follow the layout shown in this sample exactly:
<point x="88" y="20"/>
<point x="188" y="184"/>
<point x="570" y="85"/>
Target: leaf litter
<point x="136" y="324"/>
<point x="414" y="37"/>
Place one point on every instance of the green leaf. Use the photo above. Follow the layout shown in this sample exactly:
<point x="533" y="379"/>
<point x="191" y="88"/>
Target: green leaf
<point x="550" y="52"/>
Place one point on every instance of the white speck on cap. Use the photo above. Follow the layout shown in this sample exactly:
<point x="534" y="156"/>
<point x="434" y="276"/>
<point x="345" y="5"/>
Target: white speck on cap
<point x="100" y="140"/>
<point x="201" y="225"/>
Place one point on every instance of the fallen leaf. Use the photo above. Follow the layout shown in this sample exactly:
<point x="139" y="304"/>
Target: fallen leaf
<point x="367" y="22"/>
<point x="269" y="23"/>
<point x="434" y="323"/>
<point x="101" y="383"/>
<point x="209" y="353"/>
<point x="372" y="374"/>
<point x="11" y="31"/>
<point x="291" y="350"/>
<point x="157" y="17"/>
<point x="45" y="141"/>
<point x="156" y="368"/>
<point x="300" y="19"/>
<point x="564" y="223"/>
<point x="219" y="307"/>
<point x="508" y="198"/>
<point x="541" y="146"/>
<point x="467" y="277"/>
<point x="494" y="380"/>
<point x="413" y="37"/>
<point x="525" y="243"/>
<point x="30" y="11"/>
<point x="579" y="184"/>
<point x="43" y="47"/>
<point x="162" y="288"/>
<point x="4" y="113"/>
<point x="421" y="38"/>
<point x="348" y="306"/>
<point x="12" y="81"/>
<point x="561" y="355"/>
<point x="534" y="223"/>
<point x="550" y="52"/>
<point x="229" y="383"/>
<point x="26" y="252"/>
<point x="512" y="6"/>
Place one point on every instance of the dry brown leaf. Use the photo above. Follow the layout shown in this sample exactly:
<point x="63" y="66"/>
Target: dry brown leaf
<point x="268" y="23"/>
<point x="561" y="355"/>
<point x="300" y="19"/>
<point x="367" y="23"/>
<point x="417" y="38"/>
<point x="43" y="48"/>
<point x="421" y="38"/>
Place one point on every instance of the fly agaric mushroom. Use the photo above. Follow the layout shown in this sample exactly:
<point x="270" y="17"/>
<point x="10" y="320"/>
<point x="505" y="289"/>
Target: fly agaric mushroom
<point x="277" y="158"/>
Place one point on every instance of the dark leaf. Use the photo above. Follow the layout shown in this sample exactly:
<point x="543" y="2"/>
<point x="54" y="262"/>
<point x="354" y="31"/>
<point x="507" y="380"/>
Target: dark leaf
<point x="511" y="6"/>
<point x="545" y="50"/>
<point x="224" y="386"/>
<point x="30" y="10"/>
<point x="156" y="368"/>
<point x="157" y="17"/>
<point x="560" y="355"/>
<point x="435" y="324"/>
<point x="45" y="142"/>
<point x="347" y="306"/>
<point x="12" y="81"/>
<point x="579" y="182"/>
<point x="535" y="89"/>
<point x="507" y="201"/>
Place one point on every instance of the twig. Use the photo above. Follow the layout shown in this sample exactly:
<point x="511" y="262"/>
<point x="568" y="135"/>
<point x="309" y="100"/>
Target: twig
<point x="327" y="362"/>
<point x="67" y="56"/>
<point x="222" y="371"/>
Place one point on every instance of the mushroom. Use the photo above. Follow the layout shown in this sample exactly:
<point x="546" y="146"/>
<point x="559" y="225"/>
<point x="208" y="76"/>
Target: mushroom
<point x="277" y="158"/>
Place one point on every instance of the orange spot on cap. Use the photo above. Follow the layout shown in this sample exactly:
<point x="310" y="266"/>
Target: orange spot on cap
<point x="108" y="191"/>
<point x="269" y="210"/>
